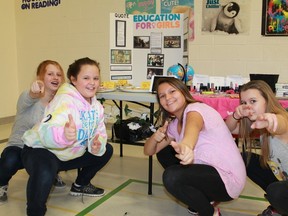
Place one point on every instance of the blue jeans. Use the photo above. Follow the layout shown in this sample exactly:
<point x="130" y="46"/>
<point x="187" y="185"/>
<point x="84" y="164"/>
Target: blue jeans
<point x="42" y="167"/>
<point x="10" y="163"/>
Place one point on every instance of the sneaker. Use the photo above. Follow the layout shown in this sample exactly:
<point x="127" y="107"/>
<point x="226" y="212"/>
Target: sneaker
<point x="3" y="194"/>
<point x="270" y="211"/>
<point x="58" y="183"/>
<point x="88" y="190"/>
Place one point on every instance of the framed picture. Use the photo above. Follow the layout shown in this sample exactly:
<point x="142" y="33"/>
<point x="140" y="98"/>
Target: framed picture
<point x="155" y="60"/>
<point x="274" y="20"/>
<point x="153" y="71"/>
<point x="120" y="56"/>
<point x="172" y="41"/>
<point x="120" y="33"/>
<point x="142" y="42"/>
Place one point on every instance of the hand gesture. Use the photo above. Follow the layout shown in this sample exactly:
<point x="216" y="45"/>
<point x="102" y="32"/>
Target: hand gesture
<point x="184" y="153"/>
<point x="244" y="110"/>
<point x="70" y="129"/>
<point x="160" y="134"/>
<point x="36" y="89"/>
<point x="96" y="145"/>
<point x="266" y="120"/>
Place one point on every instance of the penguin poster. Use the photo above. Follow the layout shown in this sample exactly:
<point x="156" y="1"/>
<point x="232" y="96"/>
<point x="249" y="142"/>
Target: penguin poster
<point x="224" y="17"/>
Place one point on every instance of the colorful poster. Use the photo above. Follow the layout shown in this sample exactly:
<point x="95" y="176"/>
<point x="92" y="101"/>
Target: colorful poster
<point x="275" y="18"/>
<point x="181" y="6"/>
<point x="140" y="6"/>
<point x="225" y="17"/>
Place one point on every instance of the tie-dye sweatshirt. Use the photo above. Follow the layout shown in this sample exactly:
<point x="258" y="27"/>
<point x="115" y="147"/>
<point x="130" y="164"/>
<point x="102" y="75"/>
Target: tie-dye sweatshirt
<point x="88" y="118"/>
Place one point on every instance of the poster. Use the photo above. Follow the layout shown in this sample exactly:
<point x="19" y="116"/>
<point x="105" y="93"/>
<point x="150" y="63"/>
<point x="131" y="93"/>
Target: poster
<point x="153" y="43"/>
<point x="275" y="18"/>
<point x="225" y="17"/>
<point x="181" y="6"/>
<point x="140" y="6"/>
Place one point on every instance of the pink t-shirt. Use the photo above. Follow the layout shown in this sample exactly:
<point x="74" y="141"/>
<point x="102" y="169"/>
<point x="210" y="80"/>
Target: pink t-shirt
<point x="215" y="147"/>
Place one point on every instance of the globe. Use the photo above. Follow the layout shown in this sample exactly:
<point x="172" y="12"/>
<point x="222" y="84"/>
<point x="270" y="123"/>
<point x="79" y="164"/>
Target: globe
<point x="177" y="70"/>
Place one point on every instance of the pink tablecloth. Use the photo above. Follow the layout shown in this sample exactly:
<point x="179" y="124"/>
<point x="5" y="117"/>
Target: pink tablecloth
<point x="225" y="105"/>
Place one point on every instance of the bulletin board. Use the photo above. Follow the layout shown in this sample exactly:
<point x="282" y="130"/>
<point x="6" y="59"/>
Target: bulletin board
<point x="146" y="44"/>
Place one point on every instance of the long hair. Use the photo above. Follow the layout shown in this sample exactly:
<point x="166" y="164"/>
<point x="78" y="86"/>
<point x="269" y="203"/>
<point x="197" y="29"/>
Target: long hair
<point x="163" y="115"/>
<point x="41" y="69"/>
<point x="272" y="106"/>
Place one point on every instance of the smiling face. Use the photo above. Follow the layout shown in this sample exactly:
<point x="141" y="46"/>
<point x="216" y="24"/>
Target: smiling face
<point x="172" y="100"/>
<point x="255" y="100"/>
<point x="53" y="78"/>
<point x="87" y="81"/>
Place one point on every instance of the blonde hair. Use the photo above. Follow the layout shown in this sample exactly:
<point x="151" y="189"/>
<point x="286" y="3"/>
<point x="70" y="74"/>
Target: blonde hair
<point x="272" y="106"/>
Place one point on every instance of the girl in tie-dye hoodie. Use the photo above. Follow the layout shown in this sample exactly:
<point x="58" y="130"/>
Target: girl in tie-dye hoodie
<point x="72" y="135"/>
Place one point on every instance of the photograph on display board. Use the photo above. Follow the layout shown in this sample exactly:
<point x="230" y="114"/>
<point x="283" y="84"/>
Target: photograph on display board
<point x="155" y="60"/>
<point x="181" y="6"/>
<point x="225" y="17"/>
<point x="120" y="56"/>
<point x="142" y="42"/>
<point x="275" y="18"/>
<point x="172" y="41"/>
<point x="153" y="71"/>
<point x="140" y="7"/>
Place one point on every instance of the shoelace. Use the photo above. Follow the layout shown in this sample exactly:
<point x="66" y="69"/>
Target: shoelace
<point x="3" y="190"/>
<point x="59" y="179"/>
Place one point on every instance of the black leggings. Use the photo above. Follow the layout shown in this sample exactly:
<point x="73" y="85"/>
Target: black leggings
<point x="42" y="167"/>
<point x="277" y="191"/>
<point x="195" y="185"/>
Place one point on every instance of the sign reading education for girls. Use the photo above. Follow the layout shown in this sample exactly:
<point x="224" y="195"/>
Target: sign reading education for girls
<point x="38" y="4"/>
<point x="157" y="21"/>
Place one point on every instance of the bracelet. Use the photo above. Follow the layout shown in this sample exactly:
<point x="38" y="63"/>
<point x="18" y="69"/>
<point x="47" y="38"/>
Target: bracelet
<point x="233" y="115"/>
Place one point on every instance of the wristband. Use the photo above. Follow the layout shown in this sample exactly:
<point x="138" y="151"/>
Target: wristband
<point x="237" y="119"/>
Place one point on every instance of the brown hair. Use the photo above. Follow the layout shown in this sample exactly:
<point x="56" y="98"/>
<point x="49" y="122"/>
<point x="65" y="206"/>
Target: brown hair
<point x="163" y="115"/>
<point x="75" y="67"/>
<point x="272" y="106"/>
<point x="41" y="69"/>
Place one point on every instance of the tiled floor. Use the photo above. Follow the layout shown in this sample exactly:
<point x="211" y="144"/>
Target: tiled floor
<point x="125" y="182"/>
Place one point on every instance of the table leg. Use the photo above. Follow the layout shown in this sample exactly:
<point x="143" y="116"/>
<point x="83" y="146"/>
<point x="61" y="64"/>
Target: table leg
<point x="121" y="141"/>
<point x="150" y="170"/>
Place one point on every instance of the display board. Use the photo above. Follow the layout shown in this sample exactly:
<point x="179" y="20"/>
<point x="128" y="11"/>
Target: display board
<point x="146" y="44"/>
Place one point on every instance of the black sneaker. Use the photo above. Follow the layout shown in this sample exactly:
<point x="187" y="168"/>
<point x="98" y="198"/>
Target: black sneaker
<point x="3" y="194"/>
<point x="270" y="211"/>
<point x="193" y="212"/>
<point x="59" y="183"/>
<point x="88" y="190"/>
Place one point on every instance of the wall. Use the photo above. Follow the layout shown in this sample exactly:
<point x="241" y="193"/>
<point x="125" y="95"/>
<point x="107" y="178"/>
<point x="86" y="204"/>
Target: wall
<point x="71" y="30"/>
<point x="239" y="55"/>
<point x="75" y="29"/>
<point x="8" y="60"/>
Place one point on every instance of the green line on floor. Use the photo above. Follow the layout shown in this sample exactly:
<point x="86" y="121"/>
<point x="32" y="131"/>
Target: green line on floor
<point x="252" y="198"/>
<point x="103" y="199"/>
<point x="125" y="184"/>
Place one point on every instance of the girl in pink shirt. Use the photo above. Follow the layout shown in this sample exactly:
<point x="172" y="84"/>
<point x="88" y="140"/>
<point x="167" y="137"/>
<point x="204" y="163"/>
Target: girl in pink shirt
<point x="202" y="163"/>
